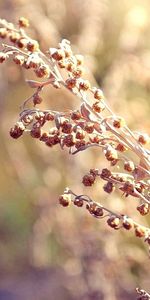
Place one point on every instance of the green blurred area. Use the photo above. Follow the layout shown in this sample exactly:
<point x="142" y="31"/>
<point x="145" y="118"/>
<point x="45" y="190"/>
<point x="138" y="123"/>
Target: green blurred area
<point x="70" y="254"/>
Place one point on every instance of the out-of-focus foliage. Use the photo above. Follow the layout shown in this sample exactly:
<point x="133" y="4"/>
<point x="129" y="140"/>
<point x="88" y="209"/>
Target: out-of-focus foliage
<point x="52" y="252"/>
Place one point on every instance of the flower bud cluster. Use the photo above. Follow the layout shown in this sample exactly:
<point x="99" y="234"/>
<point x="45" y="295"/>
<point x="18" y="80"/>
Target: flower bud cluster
<point x="93" y="124"/>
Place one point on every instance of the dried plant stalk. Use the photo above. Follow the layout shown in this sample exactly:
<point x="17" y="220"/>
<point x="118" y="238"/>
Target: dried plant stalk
<point x="93" y="124"/>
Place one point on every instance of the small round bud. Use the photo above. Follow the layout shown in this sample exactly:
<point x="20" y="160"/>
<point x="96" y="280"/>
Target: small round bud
<point x="79" y="59"/>
<point x="113" y="222"/>
<point x="17" y="130"/>
<point x="127" y="223"/>
<point x="65" y="200"/>
<point x="144" y="209"/>
<point x="84" y="85"/>
<point x="14" y="37"/>
<point x="98" y="106"/>
<point x="19" y="59"/>
<point x="32" y="45"/>
<point x="42" y="71"/>
<point x="105" y="173"/>
<point x="23" y="22"/>
<point x="89" y="127"/>
<point x="3" y="57"/>
<point x="109" y="187"/>
<point x="129" y="166"/>
<point x="139" y="231"/>
<point x="119" y="123"/>
<point x="78" y="72"/>
<point x="75" y="115"/>
<point x="58" y="55"/>
<point x="78" y="202"/>
<point x="22" y="42"/>
<point x="98" y="94"/>
<point x="143" y="138"/>
<point x="37" y="99"/>
<point x="120" y="147"/>
<point x="71" y="83"/>
<point x="3" y="33"/>
<point x="36" y="132"/>
<point x="88" y="180"/>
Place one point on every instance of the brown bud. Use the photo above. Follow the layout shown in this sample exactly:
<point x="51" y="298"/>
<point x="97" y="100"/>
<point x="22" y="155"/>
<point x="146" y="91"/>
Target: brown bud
<point x="88" y="179"/>
<point x="58" y="54"/>
<point x="98" y="94"/>
<point x="23" y="22"/>
<point x="143" y="139"/>
<point x="22" y="42"/>
<point x="139" y="231"/>
<point x="79" y="59"/>
<point x="89" y="127"/>
<point x="98" y="106"/>
<point x="17" y="130"/>
<point x="84" y="85"/>
<point x="71" y="83"/>
<point x="129" y="166"/>
<point x="65" y="200"/>
<point x="3" y="57"/>
<point x="32" y="45"/>
<point x="127" y="223"/>
<point x="3" y="33"/>
<point x="19" y="59"/>
<point x="78" y="72"/>
<point x="109" y="187"/>
<point x="120" y="147"/>
<point x="36" y="132"/>
<point x="75" y="115"/>
<point x="105" y="173"/>
<point x="37" y="99"/>
<point x="144" y="209"/>
<point x="42" y="71"/>
<point x="119" y="122"/>
<point x="113" y="221"/>
<point x="78" y="202"/>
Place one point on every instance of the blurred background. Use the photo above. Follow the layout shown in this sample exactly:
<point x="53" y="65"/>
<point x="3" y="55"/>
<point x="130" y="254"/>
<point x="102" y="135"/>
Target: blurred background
<point x="48" y="252"/>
